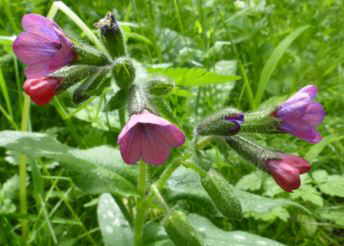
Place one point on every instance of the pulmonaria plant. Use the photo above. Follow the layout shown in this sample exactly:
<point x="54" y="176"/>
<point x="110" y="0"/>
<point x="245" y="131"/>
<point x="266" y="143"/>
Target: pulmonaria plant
<point x="44" y="48"/>
<point x="300" y="115"/>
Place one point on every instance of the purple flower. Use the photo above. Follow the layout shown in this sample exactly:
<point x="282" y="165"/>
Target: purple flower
<point x="300" y="115"/>
<point x="286" y="170"/>
<point x="237" y="119"/>
<point x="43" y="46"/>
<point x="148" y="137"/>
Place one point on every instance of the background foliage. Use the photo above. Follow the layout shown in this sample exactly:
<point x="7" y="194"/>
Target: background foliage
<point x="273" y="47"/>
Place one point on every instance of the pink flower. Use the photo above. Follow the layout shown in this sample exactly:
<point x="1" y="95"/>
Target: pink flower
<point x="43" y="46"/>
<point x="300" y="115"/>
<point x="41" y="90"/>
<point x="148" y="137"/>
<point x="286" y="170"/>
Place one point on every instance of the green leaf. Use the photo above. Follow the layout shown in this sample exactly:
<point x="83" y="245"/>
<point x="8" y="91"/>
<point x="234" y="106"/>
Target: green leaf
<point x="217" y="237"/>
<point x="252" y="181"/>
<point x="334" y="186"/>
<point x="96" y="170"/>
<point x="309" y="194"/>
<point x="114" y="227"/>
<point x="193" y="76"/>
<point x="273" y="60"/>
<point x="320" y="176"/>
<point x="334" y="214"/>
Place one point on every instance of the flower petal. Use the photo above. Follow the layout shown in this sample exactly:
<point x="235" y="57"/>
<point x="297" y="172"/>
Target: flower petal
<point x="154" y="151"/>
<point x="171" y="135"/>
<point x="302" y="130"/>
<point x="37" y="70"/>
<point x="32" y="48"/>
<point x="40" y="25"/>
<point x="131" y="145"/>
<point x="314" y="114"/>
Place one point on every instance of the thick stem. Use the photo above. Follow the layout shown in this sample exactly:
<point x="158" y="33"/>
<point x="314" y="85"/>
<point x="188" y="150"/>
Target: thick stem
<point x="141" y="205"/>
<point x="22" y="169"/>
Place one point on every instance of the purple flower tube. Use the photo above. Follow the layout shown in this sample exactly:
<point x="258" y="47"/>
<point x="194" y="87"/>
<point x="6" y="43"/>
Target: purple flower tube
<point x="300" y="115"/>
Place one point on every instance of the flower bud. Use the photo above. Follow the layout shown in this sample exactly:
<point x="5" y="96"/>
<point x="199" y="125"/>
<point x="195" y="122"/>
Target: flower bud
<point x="159" y="85"/>
<point x="112" y="35"/>
<point x="224" y="123"/>
<point x="94" y="85"/>
<point x="124" y="72"/>
<point x="41" y="90"/>
<point x="284" y="168"/>
<point x="89" y="55"/>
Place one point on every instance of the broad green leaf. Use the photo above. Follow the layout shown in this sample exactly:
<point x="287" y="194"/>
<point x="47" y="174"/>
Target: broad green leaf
<point x="334" y="214"/>
<point x="320" y="176"/>
<point x="334" y="186"/>
<point x="273" y="60"/>
<point x="96" y="170"/>
<point x="193" y="76"/>
<point x="114" y="227"/>
<point x="252" y="181"/>
<point x="308" y="193"/>
<point x="217" y="237"/>
<point x="154" y="234"/>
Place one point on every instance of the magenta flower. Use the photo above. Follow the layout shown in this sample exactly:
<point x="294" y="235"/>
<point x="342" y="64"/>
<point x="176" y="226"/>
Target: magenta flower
<point x="41" y="90"/>
<point x="286" y="170"/>
<point x="43" y="47"/>
<point x="300" y="115"/>
<point x="148" y="137"/>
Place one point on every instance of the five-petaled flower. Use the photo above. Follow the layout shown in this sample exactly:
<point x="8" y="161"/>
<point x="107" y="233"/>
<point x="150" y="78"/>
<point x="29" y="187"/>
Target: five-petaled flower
<point x="300" y="115"/>
<point x="148" y="137"/>
<point x="286" y="170"/>
<point x="43" y="46"/>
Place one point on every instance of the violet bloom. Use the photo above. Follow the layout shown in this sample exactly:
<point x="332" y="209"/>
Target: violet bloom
<point x="300" y="115"/>
<point x="43" y="47"/>
<point x="149" y="138"/>
<point x="41" y="90"/>
<point x="237" y="119"/>
<point x="286" y="170"/>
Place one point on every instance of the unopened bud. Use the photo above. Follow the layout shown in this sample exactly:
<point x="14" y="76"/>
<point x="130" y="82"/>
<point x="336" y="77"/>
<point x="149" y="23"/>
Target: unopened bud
<point x="124" y="72"/>
<point x="159" y="85"/>
<point x="224" y="123"/>
<point x="89" y="55"/>
<point x="112" y="35"/>
<point x="73" y="74"/>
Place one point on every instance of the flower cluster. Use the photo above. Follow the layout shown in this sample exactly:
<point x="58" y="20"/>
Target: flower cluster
<point x="298" y="116"/>
<point x="54" y="62"/>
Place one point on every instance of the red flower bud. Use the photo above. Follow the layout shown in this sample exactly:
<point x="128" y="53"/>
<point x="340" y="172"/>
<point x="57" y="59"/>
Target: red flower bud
<point x="41" y="90"/>
<point x="286" y="170"/>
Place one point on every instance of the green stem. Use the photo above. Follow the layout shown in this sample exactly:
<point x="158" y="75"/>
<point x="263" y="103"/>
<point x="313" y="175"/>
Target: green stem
<point x="141" y="205"/>
<point x="160" y="183"/>
<point x="22" y="169"/>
